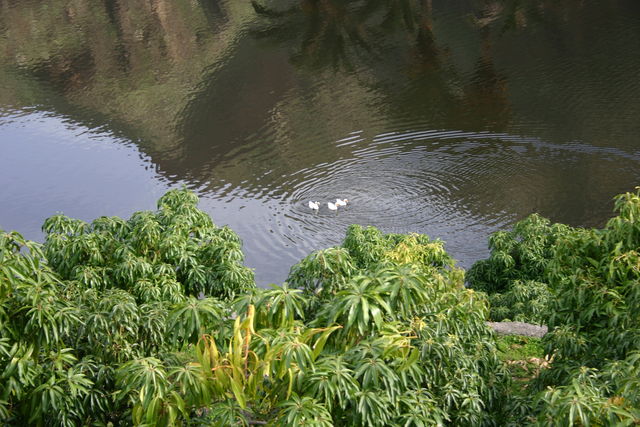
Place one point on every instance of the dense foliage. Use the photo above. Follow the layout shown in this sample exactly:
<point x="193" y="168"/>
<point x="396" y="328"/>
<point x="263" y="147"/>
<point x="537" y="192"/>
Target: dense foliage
<point x="585" y="284"/>
<point x="99" y="295"/>
<point x="515" y="274"/>
<point x="155" y="255"/>
<point x="155" y="321"/>
<point x="595" y="322"/>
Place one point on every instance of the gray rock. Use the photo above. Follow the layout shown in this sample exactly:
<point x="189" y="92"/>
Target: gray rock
<point x="518" y="328"/>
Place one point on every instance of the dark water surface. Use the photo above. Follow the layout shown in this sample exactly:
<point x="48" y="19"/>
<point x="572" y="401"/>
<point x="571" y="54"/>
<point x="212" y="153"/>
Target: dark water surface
<point x="453" y="118"/>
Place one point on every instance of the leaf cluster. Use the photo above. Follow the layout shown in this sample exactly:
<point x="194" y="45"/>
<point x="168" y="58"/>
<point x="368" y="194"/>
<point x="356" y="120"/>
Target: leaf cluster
<point x="157" y="256"/>
<point x="111" y="322"/>
<point x="155" y="321"/>
<point x="595" y="341"/>
<point x="386" y="335"/>
<point x="589" y="279"/>
<point x="97" y="296"/>
<point x="515" y="274"/>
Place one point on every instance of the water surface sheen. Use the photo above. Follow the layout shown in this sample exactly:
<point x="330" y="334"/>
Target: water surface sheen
<point x="450" y="118"/>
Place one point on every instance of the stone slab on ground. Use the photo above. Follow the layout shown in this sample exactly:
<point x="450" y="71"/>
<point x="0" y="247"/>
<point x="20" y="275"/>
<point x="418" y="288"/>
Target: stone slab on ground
<point x="518" y="328"/>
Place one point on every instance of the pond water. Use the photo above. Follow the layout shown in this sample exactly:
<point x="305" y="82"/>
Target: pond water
<point x="453" y="118"/>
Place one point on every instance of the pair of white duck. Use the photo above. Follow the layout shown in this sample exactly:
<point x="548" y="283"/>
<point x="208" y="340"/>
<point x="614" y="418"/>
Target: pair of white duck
<point x="332" y="206"/>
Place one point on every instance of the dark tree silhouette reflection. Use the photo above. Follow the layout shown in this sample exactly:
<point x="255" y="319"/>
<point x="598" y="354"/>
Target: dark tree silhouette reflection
<point x="336" y="33"/>
<point x="395" y="43"/>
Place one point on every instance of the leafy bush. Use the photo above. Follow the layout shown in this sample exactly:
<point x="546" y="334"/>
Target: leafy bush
<point x="364" y="358"/>
<point x="520" y="254"/>
<point x="595" y="341"/>
<point x="522" y="302"/>
<point x="156" y="256"/>
<point x="104" y="294"/>
<point x="135" y="322"/>
<point x="515" y="274"/>
<point x="596" y="280"/>
<point x="585" y="284"/>
<point x="155" y="321"/>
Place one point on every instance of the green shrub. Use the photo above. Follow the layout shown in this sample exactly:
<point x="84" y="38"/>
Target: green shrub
<point x="595" y="277"/>
<point x="595" y="340"/>
<point x="523" y="302"/>
<point x="585" y="284"/>
<point x="515" y="274"/>
<point x="156" y="256"/>
<point x="155" y="321"/>
<point x="109" y="324"/>
<point x="98" y="296"/>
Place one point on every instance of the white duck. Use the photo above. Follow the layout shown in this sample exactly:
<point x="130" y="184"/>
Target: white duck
<point x="332" y="206"/>
<point x="314" y="205"/>
<point x="342" y="202"/>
